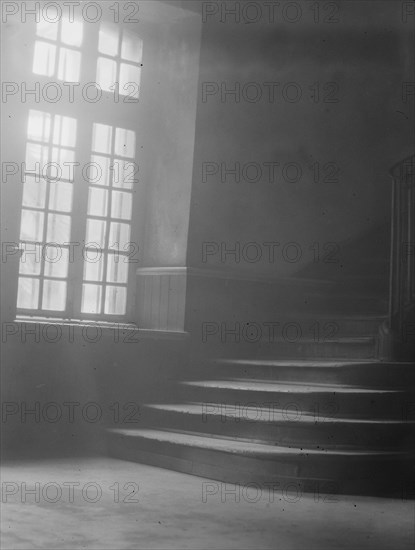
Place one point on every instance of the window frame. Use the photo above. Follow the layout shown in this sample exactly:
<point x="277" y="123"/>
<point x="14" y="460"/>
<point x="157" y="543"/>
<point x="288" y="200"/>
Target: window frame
<point x="78" y="213"/>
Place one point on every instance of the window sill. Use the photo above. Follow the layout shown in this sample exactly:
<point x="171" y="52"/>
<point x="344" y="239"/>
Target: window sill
<point x="143" y="334"/>
<point x="75" y="322"/>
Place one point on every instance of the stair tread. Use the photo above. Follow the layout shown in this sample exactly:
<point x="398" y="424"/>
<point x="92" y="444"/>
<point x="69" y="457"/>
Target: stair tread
<point x="244" y="447"/>
<point x="310" y="363"/>
<point x="310" y="340"/>
<point x="251" y="414"/>
<point x="375" y="316"/>
<point x="288" y="387"/>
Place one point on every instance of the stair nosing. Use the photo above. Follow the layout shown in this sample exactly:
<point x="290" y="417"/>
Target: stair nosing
<point x="272" y="386"/>
<point x="305" y="416"/>
<point x="246" y="447"/>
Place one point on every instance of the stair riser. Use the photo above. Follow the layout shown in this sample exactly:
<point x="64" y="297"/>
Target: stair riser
<point x="326" y="350"/>
<point x="323" y="329"/>
<point x="264" y="301"/>
<point x="289" y="350"/>
<point x="322" y="434"/>
<point x="349" y="405"/>
<point x="322" y="475"/>
<point x="348" y="305"/>
<point x="317" y="329"/>
<point x="362" y="375"/>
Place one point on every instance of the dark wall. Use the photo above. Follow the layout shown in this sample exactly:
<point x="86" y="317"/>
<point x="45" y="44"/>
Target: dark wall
<point x="167" y="123"/>
<point x="363" y="132"/>
<point x="77" y="381"/>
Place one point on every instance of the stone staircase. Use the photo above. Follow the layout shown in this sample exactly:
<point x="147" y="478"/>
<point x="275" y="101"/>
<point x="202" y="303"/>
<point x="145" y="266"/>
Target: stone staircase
<point x="318" y="415"/>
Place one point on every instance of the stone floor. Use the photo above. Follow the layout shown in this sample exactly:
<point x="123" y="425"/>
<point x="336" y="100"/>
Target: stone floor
<point x="94" y="503"/>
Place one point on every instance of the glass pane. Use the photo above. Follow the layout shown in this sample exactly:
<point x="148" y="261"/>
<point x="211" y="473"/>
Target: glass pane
<point x="125" y="173"/>
<point x="100" y="170"/>
<point x="95" y="232"/>
<point x="54" y="295"/>
<point x="44" y="58"/>
<point x="121" y="205"/>
<point x="130" y="80"/>
<point x="125" y="142"/>
<point x="117" y="268"/>
<point x="31" y="259"/>
<point x="60" y="197"/>
<point x="45" y="29"/>
<point x="37" y="157"/>
<point x="119" y="236"/>
<point x="93" y="265"/>
<point x="101" y="138"/>
<point x="69" y="65"/>
<point x="115" y="300"/>
<point x="59" y="227"/>
<point x="106" y="73"/>
<point x="64" y="131"/>
<point x="38" y="127"/>
<point x="108" y="39"/>
<point x="91" y="298"/>
<point x="56" y="261"/>
<point x="31" y="226"/>
<point x="34" y="192"/>
<point x="72" y="32"/>
<point x="63" y="167"/>
<point x="132" y="47"/>
<point x="97" y="201"/>
<point x="28" y="293"/>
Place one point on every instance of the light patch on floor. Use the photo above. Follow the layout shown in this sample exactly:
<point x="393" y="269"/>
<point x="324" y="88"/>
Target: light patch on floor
<point x="160" y="509"/>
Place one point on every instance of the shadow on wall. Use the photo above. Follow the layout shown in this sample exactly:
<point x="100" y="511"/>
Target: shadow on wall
<point x="61" y="387"/>
<point x="360" y="264"/>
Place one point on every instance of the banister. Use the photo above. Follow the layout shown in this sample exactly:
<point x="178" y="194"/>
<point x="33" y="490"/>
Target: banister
<point x="400" y="323"/>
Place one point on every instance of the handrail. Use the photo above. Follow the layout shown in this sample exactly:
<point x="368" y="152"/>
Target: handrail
<point x="402" y="273"/>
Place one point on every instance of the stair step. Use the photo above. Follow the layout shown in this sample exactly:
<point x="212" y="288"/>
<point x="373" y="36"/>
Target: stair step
<point x="287" y="387"/>
<point x="307" y="414"/>
<point x="344" y="401"/>
<point x="249" y="448"/>
<point x="324" y="327"/>
<point x="349" y="303"/>
<point x="245" y="462"/>
<point x="282" y="427"/>
<point x="298" y="348"/>
<point x="371" y="373"/>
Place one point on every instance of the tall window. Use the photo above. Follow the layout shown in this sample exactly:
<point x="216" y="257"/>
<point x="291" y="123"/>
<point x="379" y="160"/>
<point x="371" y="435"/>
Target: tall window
<point x="108" y="223"/>
<point x="46" y="207"/>
<point x="50" y="282"/>
<point x="57" y="49"/>
<point x="119" y="60"/>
